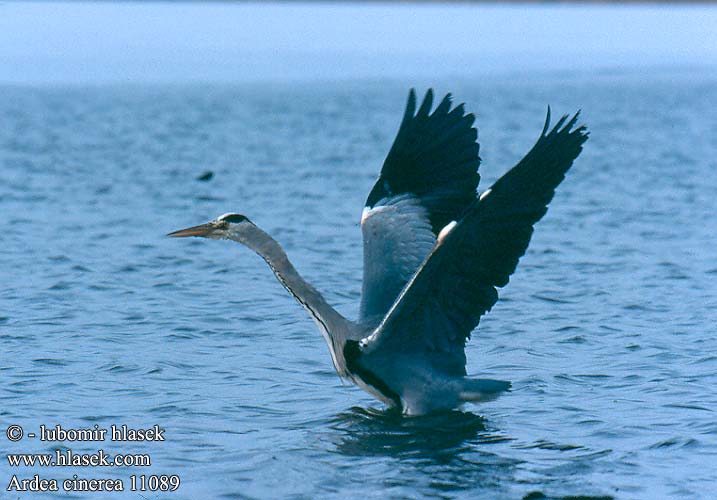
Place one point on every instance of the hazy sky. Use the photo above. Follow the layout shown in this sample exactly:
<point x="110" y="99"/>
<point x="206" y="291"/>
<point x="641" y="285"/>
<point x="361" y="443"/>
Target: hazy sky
<point x="148" y="42"/>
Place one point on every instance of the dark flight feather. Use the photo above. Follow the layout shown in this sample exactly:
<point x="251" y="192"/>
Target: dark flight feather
<point x="435" y="157"/>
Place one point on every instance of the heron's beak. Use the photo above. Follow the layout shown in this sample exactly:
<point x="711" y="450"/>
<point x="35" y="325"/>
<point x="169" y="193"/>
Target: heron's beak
<point x="200" y="230"/>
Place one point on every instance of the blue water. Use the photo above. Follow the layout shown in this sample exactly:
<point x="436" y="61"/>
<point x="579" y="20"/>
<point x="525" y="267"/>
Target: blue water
<point x="607" y="329"/>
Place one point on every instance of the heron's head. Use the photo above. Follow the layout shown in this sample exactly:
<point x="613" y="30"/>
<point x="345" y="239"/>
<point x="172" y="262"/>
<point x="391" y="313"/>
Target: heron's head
<point x="225" y="227"/>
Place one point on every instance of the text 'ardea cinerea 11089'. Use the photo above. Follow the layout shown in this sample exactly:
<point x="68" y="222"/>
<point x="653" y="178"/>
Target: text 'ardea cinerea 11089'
<point x="434" y="253"/>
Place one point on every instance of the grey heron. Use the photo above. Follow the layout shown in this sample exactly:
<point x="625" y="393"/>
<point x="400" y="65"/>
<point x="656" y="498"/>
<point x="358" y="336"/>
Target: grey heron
<point x="434" y="253"/>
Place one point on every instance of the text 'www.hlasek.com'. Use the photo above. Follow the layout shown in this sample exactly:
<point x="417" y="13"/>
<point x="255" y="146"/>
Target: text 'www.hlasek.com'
<point x="33" y="471"/>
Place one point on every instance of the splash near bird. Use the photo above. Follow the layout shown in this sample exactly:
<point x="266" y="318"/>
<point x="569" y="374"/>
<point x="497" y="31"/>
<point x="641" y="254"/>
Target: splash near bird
<point x="434" y="253"/>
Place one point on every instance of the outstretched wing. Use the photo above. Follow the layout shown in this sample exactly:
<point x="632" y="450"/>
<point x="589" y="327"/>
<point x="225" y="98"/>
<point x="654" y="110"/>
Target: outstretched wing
<point x="456" y="284"/>
<point x="429" y="179"/>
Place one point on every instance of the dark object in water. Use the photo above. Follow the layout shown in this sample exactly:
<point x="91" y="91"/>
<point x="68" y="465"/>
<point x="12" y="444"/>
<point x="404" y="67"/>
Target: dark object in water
<point x="206" y="176"/>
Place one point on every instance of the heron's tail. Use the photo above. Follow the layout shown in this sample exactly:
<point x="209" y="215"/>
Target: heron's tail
<point x="482" y="389"/>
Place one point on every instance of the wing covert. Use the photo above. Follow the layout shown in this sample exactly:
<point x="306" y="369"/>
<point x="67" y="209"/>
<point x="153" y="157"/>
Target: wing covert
<point x="397" y="237"/>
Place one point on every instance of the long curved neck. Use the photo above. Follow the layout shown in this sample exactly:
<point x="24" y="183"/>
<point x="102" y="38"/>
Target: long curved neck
<point x="332" y="324"/>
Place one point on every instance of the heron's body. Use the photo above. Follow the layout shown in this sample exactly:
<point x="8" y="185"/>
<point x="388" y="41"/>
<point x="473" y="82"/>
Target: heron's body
<point x="434" y="253"/>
